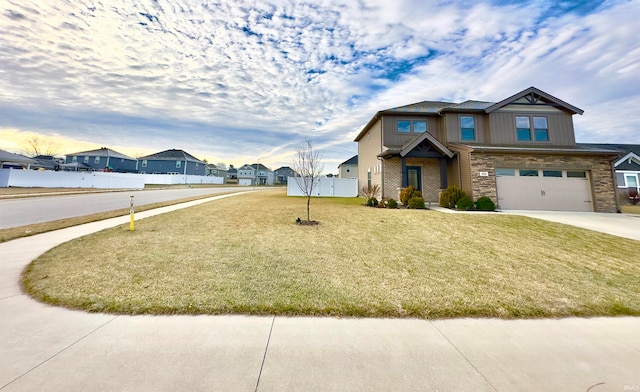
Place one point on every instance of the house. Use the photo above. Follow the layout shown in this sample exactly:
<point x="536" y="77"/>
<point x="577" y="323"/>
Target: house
<point x="47" y="162"/>
<point x="172" y="162"/>
<point x="248" y="172"/>
<point x="213" y="170"/>
<point x="102" y="159"/>
<point x="627" y="168"/>
<point x="282" y="174"/>
<point x="520" y="152"/>
<point x="16" y="161"/>
<point x="232" y="175"/>
<point x="349" y="168"/>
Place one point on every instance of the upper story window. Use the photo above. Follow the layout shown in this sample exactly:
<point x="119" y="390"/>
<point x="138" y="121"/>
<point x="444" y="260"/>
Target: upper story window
<point x="96" y="160"/>
<point x="144" y="163"/>
<point x="86" y="159"/>
<point x="178" y="164"/>
<point x="467" y="128"/>
<point x="408" y="126"/>
<point x="526" y="133"/>
<point x="74" y="159"/>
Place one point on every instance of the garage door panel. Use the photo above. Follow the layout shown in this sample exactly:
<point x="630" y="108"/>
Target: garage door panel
<point x="544" y="193"/>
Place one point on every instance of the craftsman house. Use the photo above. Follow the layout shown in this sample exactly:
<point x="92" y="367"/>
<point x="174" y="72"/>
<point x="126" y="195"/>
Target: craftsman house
<point x="520" y="152"/>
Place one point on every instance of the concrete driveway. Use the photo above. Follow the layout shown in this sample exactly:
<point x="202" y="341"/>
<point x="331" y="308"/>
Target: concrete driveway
<point x="621" y="225"/>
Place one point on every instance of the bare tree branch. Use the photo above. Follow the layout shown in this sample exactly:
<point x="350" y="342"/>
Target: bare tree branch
<point x="308" y="167"/>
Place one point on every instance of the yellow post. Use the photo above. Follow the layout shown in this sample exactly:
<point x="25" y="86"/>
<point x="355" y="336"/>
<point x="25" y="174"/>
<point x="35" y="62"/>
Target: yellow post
<point x="131" y="224"/>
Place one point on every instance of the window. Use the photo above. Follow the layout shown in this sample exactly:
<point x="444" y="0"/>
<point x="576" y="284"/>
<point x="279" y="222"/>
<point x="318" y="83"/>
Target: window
<point x="96" y="160"/>
<point x="74" y="159"/>
<point x="144" y="163"/>
<point x="348" y="169"/>
<point x="404" y="126"/>
<point x="576" y="174"/>
<point x="86" y="160"/>
<point x="407" y="126"/>
<point x="632" y="181"/>
<point x="467" y="128"/>
<point x="539" y="132"/>
<point x="552" y="173"/>
<point x="505" y="172"/>
<point x="523" y="129"/>
<point x="528" y="173"/>
<point x="178" y="164"/>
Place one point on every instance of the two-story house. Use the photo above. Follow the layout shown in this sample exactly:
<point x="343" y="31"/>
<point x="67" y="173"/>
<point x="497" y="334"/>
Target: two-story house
<point x="281" y="175"/>
<point x="171" y="162"/>
<point x="349" y="168"/>
<point x="520" y="152"/>
<point x="103" y="159"/>
<point x="248" y="172"/>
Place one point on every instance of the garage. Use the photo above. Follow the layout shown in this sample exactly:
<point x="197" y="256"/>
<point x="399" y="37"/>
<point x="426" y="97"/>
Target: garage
<point x="543" y="189"/>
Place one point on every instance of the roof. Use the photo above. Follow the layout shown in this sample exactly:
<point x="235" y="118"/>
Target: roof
<point x="283" y="168"/>
<point x="253" y="166"/>
<point x="103" y="152"/>
<point x="407" y="148"/>
<point x="351" y="161"/>
<point x="567" y="150"/>
<point x="628" y="153"/>
<point x="171" y="155"/>
<point x="6" y="156"/>
<point x="531" y="94"/>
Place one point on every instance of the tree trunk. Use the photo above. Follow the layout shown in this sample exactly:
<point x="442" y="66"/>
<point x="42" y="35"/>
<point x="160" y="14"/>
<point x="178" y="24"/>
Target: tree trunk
<point x="308" y="215"/>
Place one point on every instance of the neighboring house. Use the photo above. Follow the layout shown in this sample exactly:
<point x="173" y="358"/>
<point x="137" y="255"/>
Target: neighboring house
<point x="172" y="162"/>
<point x="349" y="168"/>
<point x="282" y="174"/>
<point x="520" y="152"/>
<point x="15" y="161"/>
<point x="232" y="175"/>
<point x="264" y="176"/>
<point x="627" y="167"/>
<point x="103" y="159"/>
<point x="213" y="170"/>
<point x="47" y="162"/>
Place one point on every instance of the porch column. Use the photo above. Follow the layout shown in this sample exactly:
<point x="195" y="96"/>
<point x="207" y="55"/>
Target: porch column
<point x="405" y="179"/>
<point x="444" y="182"/>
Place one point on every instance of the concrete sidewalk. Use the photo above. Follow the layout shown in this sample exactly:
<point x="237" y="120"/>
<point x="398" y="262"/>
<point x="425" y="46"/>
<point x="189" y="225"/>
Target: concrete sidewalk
<point x="44" y="348"/>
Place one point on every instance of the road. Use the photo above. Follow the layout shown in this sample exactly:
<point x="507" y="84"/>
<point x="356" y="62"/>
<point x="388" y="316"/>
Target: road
<point x="26" y="211"/>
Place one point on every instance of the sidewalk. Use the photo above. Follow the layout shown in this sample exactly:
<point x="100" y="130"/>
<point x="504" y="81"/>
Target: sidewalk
<point x="45" y="348"/>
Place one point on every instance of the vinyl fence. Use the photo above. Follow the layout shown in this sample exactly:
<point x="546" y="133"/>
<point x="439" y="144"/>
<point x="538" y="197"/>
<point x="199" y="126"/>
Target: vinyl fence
<point x="64" y="179"/>
<point x="326" y="187"/>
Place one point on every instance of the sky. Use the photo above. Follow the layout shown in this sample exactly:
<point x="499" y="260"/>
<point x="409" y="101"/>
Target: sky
<point x="241" y="81"/>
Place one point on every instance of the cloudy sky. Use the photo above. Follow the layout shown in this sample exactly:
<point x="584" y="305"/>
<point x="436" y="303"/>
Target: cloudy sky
<point x="235" y="81"/>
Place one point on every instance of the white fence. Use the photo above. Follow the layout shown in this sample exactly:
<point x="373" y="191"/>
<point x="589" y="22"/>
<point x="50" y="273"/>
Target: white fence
<point x="326" y="187"/>
<point x="64" y="179"/>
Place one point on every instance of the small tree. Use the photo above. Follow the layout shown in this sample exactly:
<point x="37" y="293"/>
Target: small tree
<point x="308" y="168"/>
<point x="40" y="145"/>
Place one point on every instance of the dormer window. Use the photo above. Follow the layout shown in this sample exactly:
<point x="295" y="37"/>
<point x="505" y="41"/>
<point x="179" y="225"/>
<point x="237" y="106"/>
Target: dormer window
<point x="525" y="133"/>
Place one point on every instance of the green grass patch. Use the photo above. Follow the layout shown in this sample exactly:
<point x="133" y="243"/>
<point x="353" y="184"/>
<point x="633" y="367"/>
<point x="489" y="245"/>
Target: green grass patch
<point x="245" y="254"/>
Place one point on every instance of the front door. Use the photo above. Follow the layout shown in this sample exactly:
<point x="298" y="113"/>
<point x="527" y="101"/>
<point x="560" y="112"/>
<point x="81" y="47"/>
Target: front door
<point x="414" y="177"/>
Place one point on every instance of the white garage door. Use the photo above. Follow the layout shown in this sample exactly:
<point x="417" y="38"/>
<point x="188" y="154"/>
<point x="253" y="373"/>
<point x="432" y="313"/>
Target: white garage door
<point x="552" y="190"/>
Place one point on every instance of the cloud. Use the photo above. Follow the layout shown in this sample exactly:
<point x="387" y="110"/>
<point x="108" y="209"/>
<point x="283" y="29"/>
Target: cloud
<point x="236" y="80"/>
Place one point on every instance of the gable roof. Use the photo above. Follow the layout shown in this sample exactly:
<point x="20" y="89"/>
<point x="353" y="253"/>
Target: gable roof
<point x="172" y="155"/>
<point x="6" y="156"/>
<point x="103" y="152"/>
<point x="351" y="161"/>
<point x="629" y="153"/>
<point x="432" y="140"/>
<point x="253" y="167"/>
<point x="533" y="96"/>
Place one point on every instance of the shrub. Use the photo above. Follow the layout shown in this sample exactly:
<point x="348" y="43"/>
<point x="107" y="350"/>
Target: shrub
<point x="408" y="193"/>
<point x="392" y="204"/>
<point x="450" y="196"/>
<point x="416" y="202"/>
<point x="372" y="202"/>
<point x="465" y="203"/>
<point x="485" y="204"/>
<point x="371" y="191"/>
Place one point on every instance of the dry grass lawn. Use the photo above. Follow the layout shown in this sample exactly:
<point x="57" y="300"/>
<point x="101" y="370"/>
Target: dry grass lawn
<point x="246" y="255"/>
<point x="629" y="209"/>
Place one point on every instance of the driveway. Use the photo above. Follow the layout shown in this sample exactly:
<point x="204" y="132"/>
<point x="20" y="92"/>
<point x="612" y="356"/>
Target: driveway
<point x="621" y="225"/>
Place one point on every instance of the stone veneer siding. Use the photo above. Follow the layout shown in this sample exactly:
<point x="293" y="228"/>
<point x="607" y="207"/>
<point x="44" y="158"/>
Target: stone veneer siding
<point x="430" y="169"/>
<point x="601" y="175"/>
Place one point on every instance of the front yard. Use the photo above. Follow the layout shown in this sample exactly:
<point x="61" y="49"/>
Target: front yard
<point x="245" y="254"/>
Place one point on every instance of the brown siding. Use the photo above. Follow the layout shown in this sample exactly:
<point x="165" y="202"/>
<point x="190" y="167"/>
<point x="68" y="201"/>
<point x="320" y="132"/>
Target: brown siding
<point x="503" y="127"/>
<point x="369" y="146"/>
<point x="453" y="171"/>
<point x="465" y="172"/>
<point x="393" y="138"/>
<point x="601" y="175"/>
